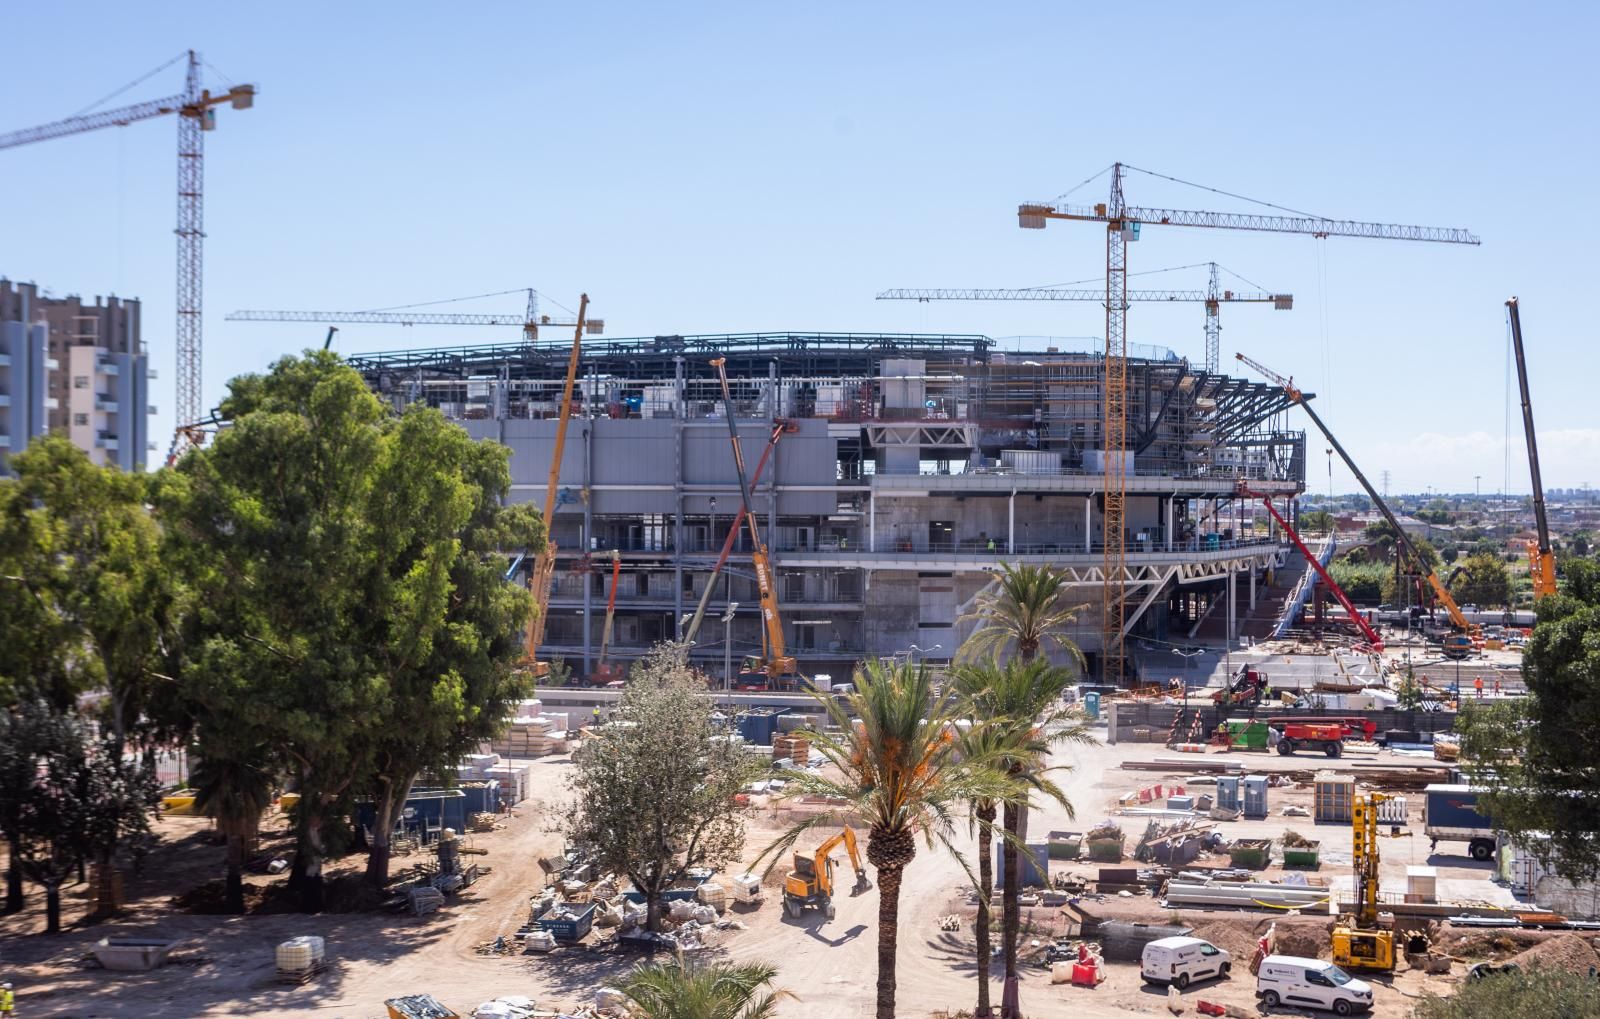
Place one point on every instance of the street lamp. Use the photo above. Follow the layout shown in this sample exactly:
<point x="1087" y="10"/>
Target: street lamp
<point x="727" y="645"/>
<point x="1188" y="657"/>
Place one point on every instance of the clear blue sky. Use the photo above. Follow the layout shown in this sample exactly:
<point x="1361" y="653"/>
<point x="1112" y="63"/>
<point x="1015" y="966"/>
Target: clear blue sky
<point x="733" y="167"/>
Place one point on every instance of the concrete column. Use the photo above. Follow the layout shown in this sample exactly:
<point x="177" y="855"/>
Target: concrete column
<point x="1232" y="587"/>
<point x="1252" y="586"/>
<point x="1170" y="500"/>
<point x="1011" y="524"/>
<point x="1088" y="523"/>
<point x="587" y="538"/>
<point x="872" y="522"/>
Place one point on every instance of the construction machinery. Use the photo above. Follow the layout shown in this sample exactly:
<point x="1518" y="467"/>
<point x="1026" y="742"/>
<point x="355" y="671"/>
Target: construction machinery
<point x="529" y="321"/>
<point x="810" y="884"/>
<point x="544" y="569"/>
<point x="1122" y="222"/>
<point x="1244" y="690"/>
<point x="196" y="109"/>
<point x="776" y="663"/>
<point x="1541" y="560"/>
<point x="1359" y="942"/>
<point x="1356" y="617"/>
<point x="1213" y="297"/>
<point x="780" y="428"/>
<point x="605" y="673"/>
<point x="1457" y="645"/>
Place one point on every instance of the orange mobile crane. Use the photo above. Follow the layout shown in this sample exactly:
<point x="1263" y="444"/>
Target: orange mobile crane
<point x="778" y="665"/>
<point x="544" y="569"/>
<point x="1541" y="560"/>
<point x="1456" y="645"/>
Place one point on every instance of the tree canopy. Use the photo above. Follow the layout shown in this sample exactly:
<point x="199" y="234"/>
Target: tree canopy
<point x="1482" y="580"/>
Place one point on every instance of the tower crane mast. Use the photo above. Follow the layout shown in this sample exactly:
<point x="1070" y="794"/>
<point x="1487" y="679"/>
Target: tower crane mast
<point x="196" y="109"/>
<point x="1122" y="222"/>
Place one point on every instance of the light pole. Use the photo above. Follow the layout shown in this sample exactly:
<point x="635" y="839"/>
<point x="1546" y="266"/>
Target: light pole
<point x="1188" y="657"/>
<point x="711" y="541"/>
<point x="727" y="645"/>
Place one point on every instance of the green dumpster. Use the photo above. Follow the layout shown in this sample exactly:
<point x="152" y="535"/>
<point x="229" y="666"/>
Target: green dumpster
<point x="1305" y="854"/>
<point x="1247" y="734"/>
<point x="1251" y="854"/>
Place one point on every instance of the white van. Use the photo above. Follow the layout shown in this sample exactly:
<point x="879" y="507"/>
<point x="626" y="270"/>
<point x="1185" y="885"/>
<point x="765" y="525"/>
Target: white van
<point x="1179" y="961"/>
<point x="1291" y="980"/>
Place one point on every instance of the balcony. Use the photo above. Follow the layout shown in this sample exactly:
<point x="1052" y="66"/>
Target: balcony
<point x="107" y="368"/>
<point x="105" y="402"/>
<point x="106" y="441"/>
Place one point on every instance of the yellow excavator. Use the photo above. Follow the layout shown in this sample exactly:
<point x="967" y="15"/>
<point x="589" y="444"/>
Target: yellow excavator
<point x="1360" y="942"/>
<point x="811" y="881"/>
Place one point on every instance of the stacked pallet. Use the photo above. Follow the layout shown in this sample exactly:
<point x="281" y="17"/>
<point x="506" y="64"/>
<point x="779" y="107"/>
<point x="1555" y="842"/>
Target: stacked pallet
<point x="794" y="748"/>
<point x="514" y="780"/>
<point x="531" y="737"/>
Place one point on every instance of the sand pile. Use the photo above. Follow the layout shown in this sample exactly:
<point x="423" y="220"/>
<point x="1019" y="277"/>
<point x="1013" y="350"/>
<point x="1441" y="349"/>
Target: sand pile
<point x="1490" y="944"/>
<point x="1238" y="937"/>
<point x="1570" y="952"/>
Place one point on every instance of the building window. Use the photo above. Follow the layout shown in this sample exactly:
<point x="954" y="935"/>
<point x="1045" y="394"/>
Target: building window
<point x="80" y="382"/>
<point x="80" y="419"/>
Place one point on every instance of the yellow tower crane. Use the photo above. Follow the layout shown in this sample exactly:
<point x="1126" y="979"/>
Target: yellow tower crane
<point x="1122" y="222"/>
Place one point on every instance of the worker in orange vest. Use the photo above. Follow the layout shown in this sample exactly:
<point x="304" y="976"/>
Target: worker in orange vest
<point x="1478" y="685"/>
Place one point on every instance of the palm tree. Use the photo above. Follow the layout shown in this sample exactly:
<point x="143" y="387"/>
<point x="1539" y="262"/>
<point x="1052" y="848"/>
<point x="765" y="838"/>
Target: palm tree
<point x="1026" y="607"/>
<point x="1003" y="739"/>
<point x="901" y="773"/>
<point x="1023" y="701"/>
<point x="715" y="990"/>
<point x="234" y="790"/>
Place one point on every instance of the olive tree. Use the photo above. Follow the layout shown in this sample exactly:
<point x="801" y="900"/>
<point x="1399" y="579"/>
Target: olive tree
<point x="653" y="791"/>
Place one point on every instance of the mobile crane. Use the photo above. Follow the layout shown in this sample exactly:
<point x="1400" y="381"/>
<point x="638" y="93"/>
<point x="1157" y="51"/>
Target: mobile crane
<point x="1361" y="943"/>
<point x="811" y="881"/>
<point x="609" y="673"/>
<point x="1456" y="645"/>
<point x="778" y="666"/>
<point x="544" y="568"/>
<point x="1541" y="560"/>
<point x="1356" y="618"/>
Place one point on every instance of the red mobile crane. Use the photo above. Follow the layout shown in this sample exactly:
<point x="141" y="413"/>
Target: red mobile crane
<point x="1356" y="617"/>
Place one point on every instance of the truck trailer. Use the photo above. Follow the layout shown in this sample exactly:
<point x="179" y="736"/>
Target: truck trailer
<point x="1450" y="814"/>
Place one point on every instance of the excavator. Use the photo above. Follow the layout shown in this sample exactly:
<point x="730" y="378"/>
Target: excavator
<point x="544" y="568"/>
<point x="1360" y="942"/>
<point x="777" y="665"/>
<point x="1541" y="560"/>
<point x="811" y="881"/>
<point x="1455" y="645"/>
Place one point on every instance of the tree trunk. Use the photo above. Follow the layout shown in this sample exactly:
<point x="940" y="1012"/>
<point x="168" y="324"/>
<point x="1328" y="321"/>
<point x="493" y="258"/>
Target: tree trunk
<point x="105" y="886"/>
<point x="384" y="819"/>
<point x="52" y="907"/>
<point x="14" y="899"/>
<point x="1011" y="917"/>
<point x="311" y="850"/>
<point x="235" y="902"/>
<point x="888" y="937"/>
<point x="653" y="909"/>
<point x="985" y="893"/>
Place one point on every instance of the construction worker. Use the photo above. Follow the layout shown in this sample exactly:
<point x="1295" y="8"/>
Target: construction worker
<point x="991" y="546"/>
<point x="596" y="722"/>
<point x="8" y="1001"/>
<point x="1497" y="686"/>
<point x="1478" y="685"/>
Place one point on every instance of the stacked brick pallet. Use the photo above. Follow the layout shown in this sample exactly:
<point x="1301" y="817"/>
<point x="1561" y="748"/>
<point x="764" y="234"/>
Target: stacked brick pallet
<point x="794" y="748"/>
<point x="531" y="737"/>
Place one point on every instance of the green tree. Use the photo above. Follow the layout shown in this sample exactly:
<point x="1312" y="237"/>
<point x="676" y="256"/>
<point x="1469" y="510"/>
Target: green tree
<point x="322" y="544"/>
<point x="30" y="732"/>
<point x="1536" y="993"/>
<point x="712" y="990"/>
<point x="1023" y="700"/>
<point x="1318" y="521"/>
<point x="1580" y="579"/>
<point x="1536" y="755"/>
<point x="1362" y="582"/>
<point x="234" y="789"/>
<point x="653" y="795"/>
<point x="1450" y="553"/>
<point x="896" y="765"/>
<point x="1482" y="580"/>
<point x="1581" y="542"/>
<point x="1025" y="608"/>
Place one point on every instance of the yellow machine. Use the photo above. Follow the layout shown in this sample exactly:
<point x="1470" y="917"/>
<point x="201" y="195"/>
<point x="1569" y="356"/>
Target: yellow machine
<point x="1363" y="944"/>
<point x="811" y="881"/>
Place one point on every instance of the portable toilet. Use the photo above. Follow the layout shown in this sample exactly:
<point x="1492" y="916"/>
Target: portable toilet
<point x="1091" y="704"/>
<point x="1228" y="792"/>
<point x="1255" y="795"/>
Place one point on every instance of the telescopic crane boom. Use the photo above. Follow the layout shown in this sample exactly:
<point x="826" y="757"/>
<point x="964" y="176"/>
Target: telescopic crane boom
<point x="1541" y="560"/>
<point x="778" y="663"/>
<point x="544" y="569"/>
<point x="1440" y="592"/>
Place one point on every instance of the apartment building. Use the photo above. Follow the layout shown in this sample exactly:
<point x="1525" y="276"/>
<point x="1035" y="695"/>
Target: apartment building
<point x="900" y="471"/>
<point x="86" y="374"/>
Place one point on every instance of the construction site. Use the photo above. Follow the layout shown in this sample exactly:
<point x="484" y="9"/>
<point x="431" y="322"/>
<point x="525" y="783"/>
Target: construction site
<point x="1263" y="798"/>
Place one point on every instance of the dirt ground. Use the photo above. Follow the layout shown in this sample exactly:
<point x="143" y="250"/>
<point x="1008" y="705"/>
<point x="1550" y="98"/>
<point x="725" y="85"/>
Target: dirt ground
<point x="225" y="966"/>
